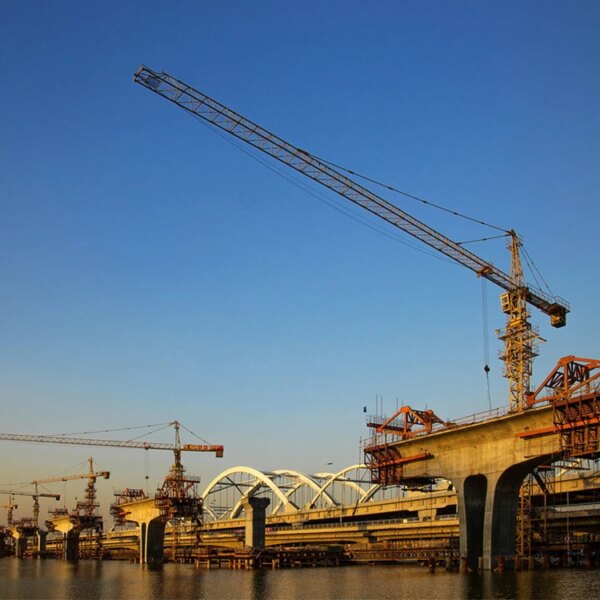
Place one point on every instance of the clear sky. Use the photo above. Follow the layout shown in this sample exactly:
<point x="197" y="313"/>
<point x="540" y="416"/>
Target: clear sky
<point x="150" y="271"/>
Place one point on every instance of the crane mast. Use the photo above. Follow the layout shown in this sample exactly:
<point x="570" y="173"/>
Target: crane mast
<point x="518" y="336"/>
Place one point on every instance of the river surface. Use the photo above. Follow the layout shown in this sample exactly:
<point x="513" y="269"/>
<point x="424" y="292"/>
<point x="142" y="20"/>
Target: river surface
<point x="25" y="579"/>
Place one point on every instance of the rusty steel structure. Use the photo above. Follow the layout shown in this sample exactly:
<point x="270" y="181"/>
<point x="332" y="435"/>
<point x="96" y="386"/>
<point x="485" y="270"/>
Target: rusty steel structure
<point x="387" y="464"/>
<point x="519" y="337"/>
<point x="177" y="497"/>
<point x="573" y="389"/>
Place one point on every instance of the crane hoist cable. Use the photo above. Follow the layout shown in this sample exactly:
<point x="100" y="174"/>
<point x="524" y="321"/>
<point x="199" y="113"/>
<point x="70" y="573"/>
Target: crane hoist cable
<point x="296" y="181"/>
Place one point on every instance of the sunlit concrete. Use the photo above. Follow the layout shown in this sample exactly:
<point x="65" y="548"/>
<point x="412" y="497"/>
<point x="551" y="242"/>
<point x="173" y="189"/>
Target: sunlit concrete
<point x="151" y="530"/>
<point x="486" y="462"/>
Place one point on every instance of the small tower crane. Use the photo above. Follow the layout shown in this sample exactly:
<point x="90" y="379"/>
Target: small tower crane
<point x="174" y="493"/>
<point x="88" y="505"/>
<point x="10" y="507"/>
<point x="518" y="336"/>
<point x="36" y="504"/>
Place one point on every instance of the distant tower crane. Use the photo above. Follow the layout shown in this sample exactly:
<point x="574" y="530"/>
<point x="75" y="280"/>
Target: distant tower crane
<point x="36" y="504"/>
<point x="10" y="507"/>
<point x="88" y="505"/>
<point x="519" y="337"/>
<point x="173" y="495"/>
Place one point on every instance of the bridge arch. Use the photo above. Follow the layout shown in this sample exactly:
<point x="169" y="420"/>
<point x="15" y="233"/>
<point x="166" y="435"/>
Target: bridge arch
<point x="341" y="479"/>
<point x="260" y="479"/>
<point x="289" y="490"/>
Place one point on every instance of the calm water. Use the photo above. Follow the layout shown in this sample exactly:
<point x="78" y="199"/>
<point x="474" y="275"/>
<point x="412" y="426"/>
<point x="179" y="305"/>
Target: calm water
<point x="106" y="580"/>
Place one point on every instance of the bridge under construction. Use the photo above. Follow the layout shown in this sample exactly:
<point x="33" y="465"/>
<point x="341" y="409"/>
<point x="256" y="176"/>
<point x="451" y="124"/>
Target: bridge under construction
<point x="344" y="513"/>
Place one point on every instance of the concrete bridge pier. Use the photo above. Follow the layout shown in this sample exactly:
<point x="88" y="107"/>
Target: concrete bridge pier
<point x="255" y="509"/>
<point x="70" y="535"/>
<point x="152" y="541"/>
<point x="41" y="542"/>
<point x="71" y="544"/>
<point x="486" y="461"/>
<point x="488" y="506"/>
<point x="20" y="544"/>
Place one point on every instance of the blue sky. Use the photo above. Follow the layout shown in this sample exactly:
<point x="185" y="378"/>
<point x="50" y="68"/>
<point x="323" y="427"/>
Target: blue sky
<point x="151" y="271"/>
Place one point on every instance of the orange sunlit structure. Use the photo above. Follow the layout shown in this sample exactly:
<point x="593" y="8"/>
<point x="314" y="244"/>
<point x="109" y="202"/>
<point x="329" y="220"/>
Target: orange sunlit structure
<point x="407" y="422"/>
<point x="574" y="386"/>
<point x="386" y="463"/>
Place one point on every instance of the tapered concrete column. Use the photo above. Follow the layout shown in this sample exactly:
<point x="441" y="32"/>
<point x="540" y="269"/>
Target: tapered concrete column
<point x="71" y="545"/>
<point x="143" y="537"/>
<point x="255" y="521"/>
<point x="487" y="507"/>
<point x="472" y="493"/>
<point x="20" y="545"/>
<point x="41" y="542"/>
<point x="155" y="542"/>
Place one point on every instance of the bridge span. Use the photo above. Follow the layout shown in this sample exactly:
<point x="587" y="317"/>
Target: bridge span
<point x="372" y="520"/>
<point x="487" y="460"/>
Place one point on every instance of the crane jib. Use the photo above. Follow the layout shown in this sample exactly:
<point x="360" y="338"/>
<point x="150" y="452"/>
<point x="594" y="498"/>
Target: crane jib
<point x="57" y="439"/>
<point x="217" y="114"/>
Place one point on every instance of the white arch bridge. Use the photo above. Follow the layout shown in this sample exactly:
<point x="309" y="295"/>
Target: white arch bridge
<point x="291" y="491"/>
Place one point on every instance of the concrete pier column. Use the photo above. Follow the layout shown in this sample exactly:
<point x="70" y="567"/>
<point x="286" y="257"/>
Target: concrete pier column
<point x="255" y="521"/>
<point x="71" y="545"/>
<point x="41" y="542"/>
<point x="142" y="538"/>
<point x="20" y="545"/>
<point x="155" y="542"/>
<point x="488" y="507"/>
<point x="472" y="495"/>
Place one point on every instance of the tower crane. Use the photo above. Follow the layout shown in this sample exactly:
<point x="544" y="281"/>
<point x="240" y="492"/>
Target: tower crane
<point x="36" y="504"/>
<point x="10" y="507"/>
<point x="174" y="491"/>
<point x="89" y="504"/>
<point x="519" y="337"/>
<point x="177" y="447"/>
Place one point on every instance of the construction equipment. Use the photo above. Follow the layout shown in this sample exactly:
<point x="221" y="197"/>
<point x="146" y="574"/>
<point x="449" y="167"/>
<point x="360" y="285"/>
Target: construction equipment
<point x="573" y="389"/>
<point x="88" y="505"/>
<point x="519" y="337"/>
<point x="176" y="488"/>
<point x="36" y="504"/>
<point x="89" y="475"/>
<point x="10" y="507"/>
<point x="59" y="439"/>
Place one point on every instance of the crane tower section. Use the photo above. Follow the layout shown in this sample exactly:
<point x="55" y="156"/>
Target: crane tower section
<point x="518" y="336"/>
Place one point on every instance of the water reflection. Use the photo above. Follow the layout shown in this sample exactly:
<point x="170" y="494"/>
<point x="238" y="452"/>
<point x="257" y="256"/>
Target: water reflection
<point x="95" y="580"/>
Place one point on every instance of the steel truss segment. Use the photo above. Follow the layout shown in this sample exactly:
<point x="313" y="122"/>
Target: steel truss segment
<point x="571" y="376"/>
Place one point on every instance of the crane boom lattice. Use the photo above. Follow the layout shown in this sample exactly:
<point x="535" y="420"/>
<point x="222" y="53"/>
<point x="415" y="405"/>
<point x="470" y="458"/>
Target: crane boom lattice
<point x="519" y="343"/>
